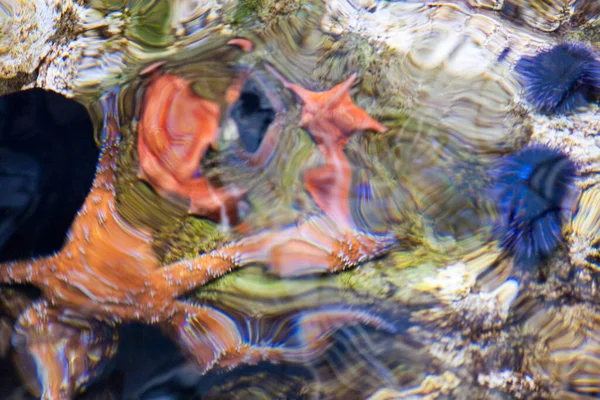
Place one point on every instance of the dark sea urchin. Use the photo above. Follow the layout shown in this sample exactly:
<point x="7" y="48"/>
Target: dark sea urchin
<point x="534" y="189"/>
<point x="561" y="79"/>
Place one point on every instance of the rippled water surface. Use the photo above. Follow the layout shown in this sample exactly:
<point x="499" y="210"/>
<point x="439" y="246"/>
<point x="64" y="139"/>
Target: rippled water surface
<point x="334" y="199"/>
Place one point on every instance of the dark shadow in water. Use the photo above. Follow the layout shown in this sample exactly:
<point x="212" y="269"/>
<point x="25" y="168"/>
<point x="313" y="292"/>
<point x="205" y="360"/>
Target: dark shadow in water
<point x="252" y="113"/>
<point x="50" y="161"/>
<point x="47" y="163"/>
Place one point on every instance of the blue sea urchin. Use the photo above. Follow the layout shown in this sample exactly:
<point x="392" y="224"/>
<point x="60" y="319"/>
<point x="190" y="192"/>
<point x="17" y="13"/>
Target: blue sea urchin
<point x="533" y="190"/>
<point x="561" y="79"/>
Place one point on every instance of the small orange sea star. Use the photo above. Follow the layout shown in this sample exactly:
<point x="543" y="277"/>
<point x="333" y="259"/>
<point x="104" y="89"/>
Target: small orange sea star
<point x="332" y="118"/>
<point x="107" y="273"/>
<point x="329" y="242"/>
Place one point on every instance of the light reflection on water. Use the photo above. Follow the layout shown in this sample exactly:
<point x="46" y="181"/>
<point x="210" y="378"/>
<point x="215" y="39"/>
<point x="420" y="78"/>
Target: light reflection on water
<point x="321" y="200"/>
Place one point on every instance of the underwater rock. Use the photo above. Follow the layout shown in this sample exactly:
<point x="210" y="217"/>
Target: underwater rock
<point x="543" y="15"/>
<point x="26" y="29"/>
<point x="584" y="240"/>
<point x="82" y="51"/>
<point x="443" y="78"/>
<point x="563" y="351"/>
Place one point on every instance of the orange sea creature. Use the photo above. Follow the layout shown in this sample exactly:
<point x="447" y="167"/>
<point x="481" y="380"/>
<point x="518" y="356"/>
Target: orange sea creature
<point x="176" y="129"/>
<point x="332" y="118"/>
<point x="327" y="242"/>
<point x="107" y="273"/>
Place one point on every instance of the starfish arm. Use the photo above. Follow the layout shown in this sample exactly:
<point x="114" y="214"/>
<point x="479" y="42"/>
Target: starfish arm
<point x="181" y="277"/>
<point x="161" y="90"/>
<point x="192" y="126"/>
<point x="352" y="118"/>
<point x="319" y="247"/>
<point x="176" y="126"/>
<point x="244" y="44"/>
<point x="105" y="262"/>
<point x="23" y="272"/>
<point x="204" y="333"/>
<point x="172" y="144"/>
<point x="339" y="92"/>
<point x="234" y="91"/>
<point x="314" y="328"/>
<point x="329" y="186"/>
<point x="213" y="339"/>
<point x="314" y="246"/>
<point x="156" y="175"/>
<point x="332" y="107"/>
<point x="67" y="351"/>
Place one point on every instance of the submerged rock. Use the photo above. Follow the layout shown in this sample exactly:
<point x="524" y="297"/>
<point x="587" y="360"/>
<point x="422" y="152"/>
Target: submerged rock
<point x="361" y="140"/>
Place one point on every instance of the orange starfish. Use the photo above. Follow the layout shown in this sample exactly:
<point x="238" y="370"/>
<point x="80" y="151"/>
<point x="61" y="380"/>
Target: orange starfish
<point x="332" y="118"/>
<point x="328" y="242"/>
<point x="108" y="273"/>
<point x="176" y="129"/>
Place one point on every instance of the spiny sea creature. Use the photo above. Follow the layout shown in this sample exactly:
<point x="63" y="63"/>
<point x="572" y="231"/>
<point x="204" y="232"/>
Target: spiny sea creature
<point x="108" y="273"/>
<point x="561" y="79"/>
<point x="534" y="189"/>
<point x="176" y="129"/>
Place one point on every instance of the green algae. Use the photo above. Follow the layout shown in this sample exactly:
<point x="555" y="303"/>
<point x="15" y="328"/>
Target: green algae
<point x="246" y="9"/>
<point x="147" y="22"/>
<point x="150" y="23"/>
<point x="249" y="14"/>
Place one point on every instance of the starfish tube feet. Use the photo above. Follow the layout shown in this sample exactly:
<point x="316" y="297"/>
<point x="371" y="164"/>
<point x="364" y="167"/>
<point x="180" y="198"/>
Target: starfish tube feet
<point x="18" y="272"/>
<point x="298" y="257"/>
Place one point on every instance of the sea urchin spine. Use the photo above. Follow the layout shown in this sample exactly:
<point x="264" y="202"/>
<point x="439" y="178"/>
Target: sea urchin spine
<point x="561" y="79"/>
<point x="534" y="191"/>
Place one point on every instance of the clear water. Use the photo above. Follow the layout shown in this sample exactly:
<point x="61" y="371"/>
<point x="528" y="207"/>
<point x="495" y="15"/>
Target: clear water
<point x="320" y="200"/>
